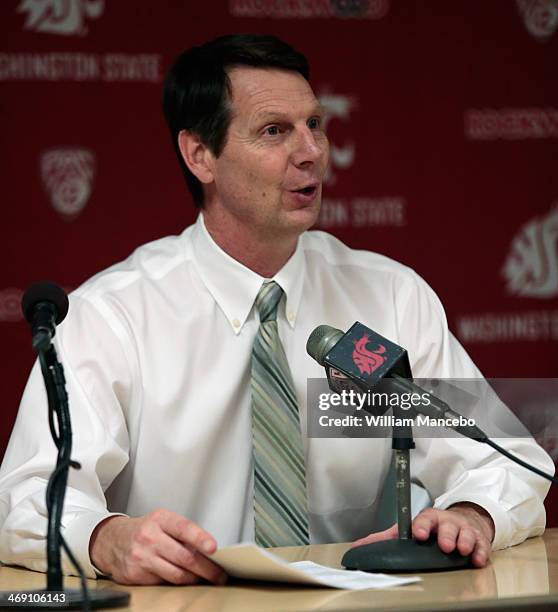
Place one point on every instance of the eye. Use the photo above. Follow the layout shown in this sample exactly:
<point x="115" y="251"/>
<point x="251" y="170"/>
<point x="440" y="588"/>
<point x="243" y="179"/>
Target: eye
<point x="314" y="123"/>
<point x="272" y="130"/>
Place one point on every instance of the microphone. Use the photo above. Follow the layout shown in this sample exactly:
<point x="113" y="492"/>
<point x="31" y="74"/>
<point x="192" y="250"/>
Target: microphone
<point x="361" y="359"/>
<point x="347" y="355"/>
<point x="364" y="359"/>
<point x="44" y="306"/>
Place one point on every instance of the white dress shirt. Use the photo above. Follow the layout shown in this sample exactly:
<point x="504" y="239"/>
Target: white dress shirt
<point x="157" y="351"/>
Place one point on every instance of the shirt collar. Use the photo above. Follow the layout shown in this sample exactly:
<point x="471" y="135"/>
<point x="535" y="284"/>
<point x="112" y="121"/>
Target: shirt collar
<point x="234" y="286"/>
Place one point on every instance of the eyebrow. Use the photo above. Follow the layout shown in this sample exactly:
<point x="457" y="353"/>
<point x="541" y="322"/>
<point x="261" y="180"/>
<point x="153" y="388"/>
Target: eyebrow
<point x="264" y="116"/>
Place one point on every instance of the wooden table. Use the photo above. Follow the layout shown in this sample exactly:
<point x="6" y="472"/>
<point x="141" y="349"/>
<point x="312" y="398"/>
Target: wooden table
<point x="524" y="577"/>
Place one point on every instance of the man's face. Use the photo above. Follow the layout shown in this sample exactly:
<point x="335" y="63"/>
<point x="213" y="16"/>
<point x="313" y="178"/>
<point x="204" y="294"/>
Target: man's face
<point x="268" y="177"/>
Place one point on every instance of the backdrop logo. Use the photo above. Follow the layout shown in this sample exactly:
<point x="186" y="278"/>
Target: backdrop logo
<point x="64" y="17"/>
<point x="531" y="269"/>
<point x="310" y="9"/>
<point x="511" y="123"/>
<point x="341" y="157"/>
<point x="540" y="17"/>
<point x="67" y="177"/>
<point x="10" y="304"/>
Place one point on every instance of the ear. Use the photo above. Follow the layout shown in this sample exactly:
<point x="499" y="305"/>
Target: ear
<point x="196" y="156"/>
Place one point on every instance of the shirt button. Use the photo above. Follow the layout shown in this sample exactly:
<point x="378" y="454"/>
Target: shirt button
<point x="290" y="316"/>
<point x="236" y="322"/>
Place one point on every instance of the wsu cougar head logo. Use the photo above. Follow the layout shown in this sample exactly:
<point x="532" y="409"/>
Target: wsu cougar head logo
<point x="368" y="361"/>
<point x="65" y="17"/>
<point x="337" y="107"/>
<point x="540" y="16"/>
<point x="67" y="176"/>
<point x="531" y="268"/>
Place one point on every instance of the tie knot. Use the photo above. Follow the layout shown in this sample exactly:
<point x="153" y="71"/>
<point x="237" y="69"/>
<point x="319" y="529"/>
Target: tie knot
<point x="267" y="300"/>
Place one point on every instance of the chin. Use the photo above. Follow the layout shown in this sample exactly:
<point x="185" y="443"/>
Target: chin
<point x="303" y="219"/>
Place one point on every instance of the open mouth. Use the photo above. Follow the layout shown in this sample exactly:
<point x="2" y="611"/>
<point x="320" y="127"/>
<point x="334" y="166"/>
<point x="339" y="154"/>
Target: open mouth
<point x="306" y="190"/>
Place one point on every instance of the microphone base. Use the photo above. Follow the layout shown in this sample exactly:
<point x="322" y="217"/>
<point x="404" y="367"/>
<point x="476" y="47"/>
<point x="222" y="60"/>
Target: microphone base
<point x="403" y="556"/>
<point x="66" y="599"/>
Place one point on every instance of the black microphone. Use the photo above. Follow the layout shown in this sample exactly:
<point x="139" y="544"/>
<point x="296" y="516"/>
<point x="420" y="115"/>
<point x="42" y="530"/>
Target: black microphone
<point x="366" y="359"/>
<point x="350" y="355"/>
<point x="44" y="306"/>
<point x="360" y="355"/>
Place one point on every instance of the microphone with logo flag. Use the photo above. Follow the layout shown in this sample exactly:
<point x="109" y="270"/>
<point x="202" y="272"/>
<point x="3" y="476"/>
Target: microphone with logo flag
<point x="360" y="360"/>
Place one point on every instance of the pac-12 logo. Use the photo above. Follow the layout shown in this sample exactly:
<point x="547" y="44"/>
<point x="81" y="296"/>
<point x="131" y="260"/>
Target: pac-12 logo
<point x="531" y="268"/>
<point x="67" y="177"/>
<point x="10" y="304"/>
<point x="64" y="17"/>
<point x="368" y="361"/>
<point x="540" y="17"/>
<point x="341" y="156"/>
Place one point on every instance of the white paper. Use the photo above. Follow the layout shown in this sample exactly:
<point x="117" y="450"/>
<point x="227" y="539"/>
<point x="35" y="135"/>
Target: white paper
<point x="251" y="562"/>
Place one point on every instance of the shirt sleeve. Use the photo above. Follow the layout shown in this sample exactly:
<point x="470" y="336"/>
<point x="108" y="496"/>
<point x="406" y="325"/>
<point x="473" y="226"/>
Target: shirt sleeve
<point x="99" y="385"/>
<point x="456" y="469"/>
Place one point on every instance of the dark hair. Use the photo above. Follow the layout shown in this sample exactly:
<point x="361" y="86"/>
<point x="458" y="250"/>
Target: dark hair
<point x="197" y="88"/>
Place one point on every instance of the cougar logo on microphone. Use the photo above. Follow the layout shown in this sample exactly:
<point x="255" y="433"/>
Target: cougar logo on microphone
<point x="64" y="17"/>
<point x="531" y="269"/>
<point x="368" y="361"/>
<point x="67" y="176"/>
<point x="540" y="17"/>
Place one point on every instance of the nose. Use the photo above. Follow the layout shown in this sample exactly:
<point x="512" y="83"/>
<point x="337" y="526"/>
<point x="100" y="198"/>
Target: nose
<point x="310" y="147"/>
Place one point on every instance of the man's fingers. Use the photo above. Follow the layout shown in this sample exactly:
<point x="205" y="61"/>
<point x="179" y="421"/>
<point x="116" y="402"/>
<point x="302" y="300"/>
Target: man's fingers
<point x="481" y="554"/>
<point x="467" y="540"/>
<point x="448" y="532"/>
<point x="202" y="566"/>
<point x="185" y="531"/>
<point x="387" y="534"/>
<point x="172" y="573"/>
<point x="181" y="556"/>
<point x="190" y="545"/>
<point x="423" y="524"/>
<point x="160" y="546"/>
<point x="453" y="530"/>
<point x="137" y="575"/>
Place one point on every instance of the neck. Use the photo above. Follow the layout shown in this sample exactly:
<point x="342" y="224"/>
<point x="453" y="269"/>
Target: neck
<point x="263" y="254"/>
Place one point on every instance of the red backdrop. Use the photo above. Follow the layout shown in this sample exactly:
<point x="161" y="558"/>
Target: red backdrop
<point x="443" y="120"/>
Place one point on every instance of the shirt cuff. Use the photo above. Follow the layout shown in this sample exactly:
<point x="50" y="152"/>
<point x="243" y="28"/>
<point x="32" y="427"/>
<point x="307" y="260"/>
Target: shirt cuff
<point x="77" y="535"/>
<point x="502" y="523"/>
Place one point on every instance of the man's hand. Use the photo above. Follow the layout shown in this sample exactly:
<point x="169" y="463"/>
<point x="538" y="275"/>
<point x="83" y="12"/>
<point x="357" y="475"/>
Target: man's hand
<point x="464" y="526"/>
<point x="159" y="547"/>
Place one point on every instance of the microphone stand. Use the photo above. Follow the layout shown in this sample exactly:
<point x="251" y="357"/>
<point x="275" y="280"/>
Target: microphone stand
<point x="403" y="554"/>
<point x="55" y="596"/>
<point x="335" y="350"/>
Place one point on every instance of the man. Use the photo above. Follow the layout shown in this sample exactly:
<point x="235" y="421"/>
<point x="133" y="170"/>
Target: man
<point x="171" y="355"/>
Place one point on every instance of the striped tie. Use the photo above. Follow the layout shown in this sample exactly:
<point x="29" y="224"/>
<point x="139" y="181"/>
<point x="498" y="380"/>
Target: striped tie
<point x="280" y="506"/>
